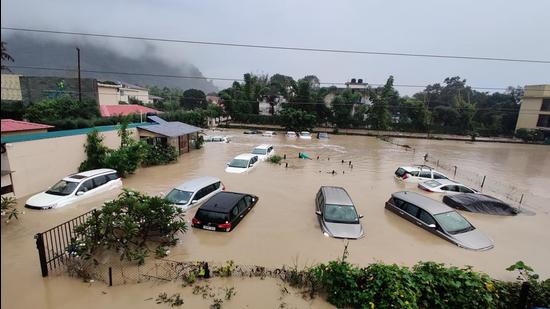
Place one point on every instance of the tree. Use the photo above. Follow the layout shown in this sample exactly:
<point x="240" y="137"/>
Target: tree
<point x="342" y="108"/>
<point x="414" y="115"/>
<point x="6" y="57"/>
<point x="193" y="98"/>
<point x="297" y="120"/>
<point x="378" y="115"/>
<point x="302" y="96"/>
<point x="313" y="81"/>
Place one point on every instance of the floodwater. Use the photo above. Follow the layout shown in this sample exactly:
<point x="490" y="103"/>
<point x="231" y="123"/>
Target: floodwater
<point x="282" y="229"/>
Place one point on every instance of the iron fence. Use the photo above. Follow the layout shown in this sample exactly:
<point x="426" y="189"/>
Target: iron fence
<point x="52" y="244"/>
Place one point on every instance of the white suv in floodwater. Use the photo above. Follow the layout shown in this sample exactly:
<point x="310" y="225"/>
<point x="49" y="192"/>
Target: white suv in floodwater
<point x="76" y="187"/>
<point x="418" y="173"/>
<point x="263" y="151"/>
<point x="242" y="163"/>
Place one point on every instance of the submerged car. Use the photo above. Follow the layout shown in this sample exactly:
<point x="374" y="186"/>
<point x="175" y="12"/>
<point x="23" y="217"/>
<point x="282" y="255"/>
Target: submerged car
<point x="252" y="132"/>
<point x="269" y="133"/>
<point x="445" y="186"/>
<point x="195" y="191"/>
<point x="336" y="213"/>
<point x="263" y="151"/>
<point x="305" y="135"/>
<point x="438" y="219"/>
<point x="291" y="134"/>
<point x="223" y="211"/>
<point x="418" y="173"/>
<point x="242" y="163"/>
<point x="75" y="188"/>
<point x="322" y="135"/>
<point x="480" y="203"/>
<point x="217" y="139"/>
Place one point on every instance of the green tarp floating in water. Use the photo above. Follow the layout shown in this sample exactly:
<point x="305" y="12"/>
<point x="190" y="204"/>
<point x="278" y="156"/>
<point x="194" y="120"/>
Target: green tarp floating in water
<point x="302" y="155"/>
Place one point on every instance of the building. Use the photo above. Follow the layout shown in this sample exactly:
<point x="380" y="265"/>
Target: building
<point x="37" y="88"/>
<point x="114" y="93"/>
<point x="534" y="112"/>
<point x="11" y="87"/>
<point x="178" y="134"/>
<point x="16" y="127"/>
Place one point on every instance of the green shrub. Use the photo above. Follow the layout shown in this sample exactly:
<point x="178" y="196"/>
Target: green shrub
<point x="126" y="225"/>
<point x="275" y="159"/>
<point x="530" y="135"/>
<point x="8" y="208"/>
<point x="159" y="154"/>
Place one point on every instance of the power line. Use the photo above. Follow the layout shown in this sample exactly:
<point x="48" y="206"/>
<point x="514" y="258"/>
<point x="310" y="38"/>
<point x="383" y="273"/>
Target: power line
<point x="220" y="78"/>
<point x="278" y="47"/>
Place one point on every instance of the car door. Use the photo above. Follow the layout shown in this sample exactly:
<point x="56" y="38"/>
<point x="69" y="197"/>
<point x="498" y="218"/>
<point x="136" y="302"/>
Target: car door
<point x="86" y="187"/>
<point x="450" y="189"/>
<point x="425" y="219"/>
<point x="100" y="184"/>
<point x="410" y="212"/>
<point x="240" y="210"/>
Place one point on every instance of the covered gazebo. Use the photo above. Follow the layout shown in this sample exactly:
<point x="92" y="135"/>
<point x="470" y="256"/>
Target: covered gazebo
<point x="178" y="134"/>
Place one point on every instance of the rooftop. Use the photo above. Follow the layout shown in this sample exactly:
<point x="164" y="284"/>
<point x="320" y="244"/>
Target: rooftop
<point x="125" y="109"/>
<point x="10" y="125"/>
<point x="336" y="196"/>
<point x="169" y="129"/>
<point x="197" y="183"/>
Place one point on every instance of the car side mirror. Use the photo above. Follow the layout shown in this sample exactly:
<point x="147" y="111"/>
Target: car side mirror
<point x="79" y="193"/>
<point x="318" y="212"/>
<point x="361" y="216"/>
<point x="227" y="164"/>
<point x="194" y="202"/>
<point x="432" y="226"/>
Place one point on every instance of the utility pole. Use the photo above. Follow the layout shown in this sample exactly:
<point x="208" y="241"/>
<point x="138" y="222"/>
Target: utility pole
<point x="79" y="82"/>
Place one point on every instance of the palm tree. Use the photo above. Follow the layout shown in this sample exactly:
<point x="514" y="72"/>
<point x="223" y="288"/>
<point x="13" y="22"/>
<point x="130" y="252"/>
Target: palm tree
<point x="6" y="57"/>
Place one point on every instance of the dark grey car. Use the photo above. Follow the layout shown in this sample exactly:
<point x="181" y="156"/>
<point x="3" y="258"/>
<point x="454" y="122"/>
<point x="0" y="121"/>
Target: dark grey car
<point x="336" y="213"/>
<point x="439" y="219"/>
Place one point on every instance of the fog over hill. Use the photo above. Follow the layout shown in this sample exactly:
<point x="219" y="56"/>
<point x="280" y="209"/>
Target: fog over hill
<point x="105" y="56"/>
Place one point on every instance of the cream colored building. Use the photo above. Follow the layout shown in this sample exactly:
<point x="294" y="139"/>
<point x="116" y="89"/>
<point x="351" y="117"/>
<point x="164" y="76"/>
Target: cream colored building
<point x="11" y="87"/>
<point x="534" y="112"/>
<point x="110" y="94"/>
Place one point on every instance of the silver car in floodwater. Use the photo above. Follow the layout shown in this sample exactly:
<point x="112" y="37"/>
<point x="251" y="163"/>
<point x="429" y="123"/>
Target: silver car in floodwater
<point x="336" y="213"/>
<point x="439" y="219"/>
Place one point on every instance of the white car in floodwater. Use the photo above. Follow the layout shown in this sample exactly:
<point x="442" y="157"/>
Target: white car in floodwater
<point x="445" y="186"/>
<point x="263" y="151"/>
<point x="291" y="134"/>
<point x="269" y="133"/>
<point x="305" y="135"/>
<point x="192" y="193"/>
<point x="217" y="139"/>
<point x="242" y="163"/>
<point x="418" y="173"/>
<point x="75" y="188"/>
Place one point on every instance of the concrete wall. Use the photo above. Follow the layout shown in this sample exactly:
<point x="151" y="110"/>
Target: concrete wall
<point x="39" y="164"/>
<point x="11" y="88"/>
<point x="108" y="95"/>
<point x="23" y="132"/>
<point x="37" y="88"/>
<point x="530" y="106"/>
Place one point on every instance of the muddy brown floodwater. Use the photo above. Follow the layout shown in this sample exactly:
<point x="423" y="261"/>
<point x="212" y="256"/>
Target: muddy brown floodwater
<point x="282" y="229"/>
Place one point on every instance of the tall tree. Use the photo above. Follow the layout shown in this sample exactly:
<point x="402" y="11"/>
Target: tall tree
<point x="193" y="98"/>
<point x="379" y="116"/>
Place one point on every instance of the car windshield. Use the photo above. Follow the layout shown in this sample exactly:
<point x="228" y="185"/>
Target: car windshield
<point x="179" y="197"/>
<point x="340" y="214"/>
<point x="211" y="217"/>
<point x="63" y="187"/>
<point x="259" y="151"/>
<point x="453" y="223"/>
<point x="239" y="163"/>
<point x="305" y="133"/>
<point x="432" y="183"/>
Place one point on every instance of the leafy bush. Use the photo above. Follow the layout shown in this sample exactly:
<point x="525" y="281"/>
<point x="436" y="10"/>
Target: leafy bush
<point x="199" y="142"/>
<point x="275" y="159"/>
<point x="159" y="154"/>
<point x="8" y="208"/>
<point x="257" y="119"/>
<point x="196" y="117"/>
<point x="528" y="135"/>
<point x="61" y="108"/>
<point x="95" y="152"/>
<point x="127" y="226"/>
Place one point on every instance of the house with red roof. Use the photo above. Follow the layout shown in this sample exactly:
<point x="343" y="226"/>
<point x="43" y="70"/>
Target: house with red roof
<point x="125" y="109"/>
<point x="17" y="127"/>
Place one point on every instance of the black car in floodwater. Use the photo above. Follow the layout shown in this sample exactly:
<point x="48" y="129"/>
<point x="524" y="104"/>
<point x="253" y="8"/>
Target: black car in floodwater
<point x="223" y="211"/>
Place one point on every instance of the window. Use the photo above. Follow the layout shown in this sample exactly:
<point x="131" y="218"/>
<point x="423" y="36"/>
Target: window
<point x="248" y="200"/>
<point x="200" y="194"/>
<point x="439" y="176"/>
<point x="217" y="185"/>
<point x="235" y="212"/>
<point x="465" y="190"/>
<point x="453" y="223"/>
<point x="62" y="188"/>
<point x="211" y="216"/>
<point x="545" y="106"/>
<point x="112" y="176"/>
<point x="397" y="202"/>
<point x="425" y="217"/>
<point x="340" y="214"/>
<point x="544" y="121"/>
<point x="179" y="197"/>
<point x="242" y="206"/>
<point x="87" y="186"/>
<point x="414" y="173"/>
<point x="450" y="188"/>
<point x="100" y="181"/>
<point x="410" y="209"/>
<point x="425" y="174"/>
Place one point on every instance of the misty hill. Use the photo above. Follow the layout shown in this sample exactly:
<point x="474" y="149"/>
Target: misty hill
<point x="31" y="50"/>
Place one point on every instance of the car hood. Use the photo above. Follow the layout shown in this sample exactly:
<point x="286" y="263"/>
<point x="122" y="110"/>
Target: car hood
<point x="344" y="230"/>
<point x="45" y="200"/>
<point x="235" y="170"/>
<point x="474" y="240"/>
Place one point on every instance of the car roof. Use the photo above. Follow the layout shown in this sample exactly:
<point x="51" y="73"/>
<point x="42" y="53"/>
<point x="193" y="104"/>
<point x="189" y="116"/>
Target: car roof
<point x="263" y="146"/>
<point x="336" y="195"/>
<point x="245" y="156"/>
<point x="430" y="205"/>
<point x="222" y="201"/>
<point x="444" y="182"/>
<point x="197" y="183"/>
<point x="87" y="174"/>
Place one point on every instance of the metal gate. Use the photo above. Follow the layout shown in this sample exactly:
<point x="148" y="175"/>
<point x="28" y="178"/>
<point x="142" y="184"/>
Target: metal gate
<point x="52" y="244"/>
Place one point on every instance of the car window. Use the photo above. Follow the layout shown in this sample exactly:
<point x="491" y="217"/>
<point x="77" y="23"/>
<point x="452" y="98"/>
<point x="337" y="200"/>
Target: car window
<point x="452" y="188"/>
<point x="63" y="188"/>
<point x="235" y="212"/>
<point x="340" y="214"/>
<point x="463" y="189"/>
<point x="179" y="197"/>
<point x="270" y="149"/>
<point x="410" y="208"/>
<point x="425" y="217"/>
<point x="439" y="176"/>
<point x="242" y="205"/>
<point x="200" y="194"/>
<point x="425" y="174"/>
<point x="319" y="198"/>
<point x="211" y="216"/>
<point x="453" y="222"/>
<point x="398" y="203"/>
<point x="248" y="200"/>
<point x="400" y="172"/>
<point x="87" y="185"/>
<point x="414" y="173"/>
<point x="112" y="176"/>
<point x="217" y="185"/>
<point x="100" y="181"/>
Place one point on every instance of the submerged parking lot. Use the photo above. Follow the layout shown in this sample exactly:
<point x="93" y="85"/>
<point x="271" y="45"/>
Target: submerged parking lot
<point x="283" y="228"/>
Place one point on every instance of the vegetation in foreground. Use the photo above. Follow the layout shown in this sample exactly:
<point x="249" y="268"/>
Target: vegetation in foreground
<point x="9" y="209"/>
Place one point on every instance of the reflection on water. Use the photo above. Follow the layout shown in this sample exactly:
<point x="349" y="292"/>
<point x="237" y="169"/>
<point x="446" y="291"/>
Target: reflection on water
<point x="283" y="228"/>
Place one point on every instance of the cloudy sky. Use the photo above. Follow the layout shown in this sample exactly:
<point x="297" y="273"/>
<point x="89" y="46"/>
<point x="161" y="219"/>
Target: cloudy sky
<point x="489" y="28"/>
